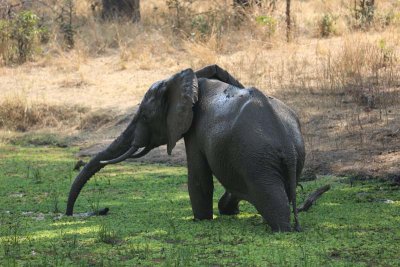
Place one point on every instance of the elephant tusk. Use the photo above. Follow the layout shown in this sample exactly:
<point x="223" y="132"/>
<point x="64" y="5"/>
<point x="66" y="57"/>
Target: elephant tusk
<point x="123" y="157"/>
<point x="141" y="153"/>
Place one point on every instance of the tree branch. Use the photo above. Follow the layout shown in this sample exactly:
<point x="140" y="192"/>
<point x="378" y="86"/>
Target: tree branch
<point x="313" y="197"/>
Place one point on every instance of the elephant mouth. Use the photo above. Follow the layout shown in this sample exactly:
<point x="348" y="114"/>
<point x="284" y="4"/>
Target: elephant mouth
<point x="133" y="152"/>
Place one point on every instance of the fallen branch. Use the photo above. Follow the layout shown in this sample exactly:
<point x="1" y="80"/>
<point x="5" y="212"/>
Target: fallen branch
<point x="313" y="197"/>
<point x="102" y="212"/>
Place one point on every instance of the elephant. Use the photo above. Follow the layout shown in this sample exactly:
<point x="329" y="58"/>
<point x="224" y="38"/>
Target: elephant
<point x="252" y="144"/>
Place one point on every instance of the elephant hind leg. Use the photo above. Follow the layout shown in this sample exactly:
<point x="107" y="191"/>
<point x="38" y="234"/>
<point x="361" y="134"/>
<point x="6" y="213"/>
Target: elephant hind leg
<point x="272" y="203"/>
<point x="228" y="204"/>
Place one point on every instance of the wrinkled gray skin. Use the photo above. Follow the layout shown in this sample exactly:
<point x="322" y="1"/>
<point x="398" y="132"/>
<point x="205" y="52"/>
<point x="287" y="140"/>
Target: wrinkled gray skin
<point x="250" y="142"/>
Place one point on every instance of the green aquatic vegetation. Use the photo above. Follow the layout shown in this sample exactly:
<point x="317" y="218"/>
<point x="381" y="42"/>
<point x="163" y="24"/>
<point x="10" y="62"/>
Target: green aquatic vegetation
<point x="150" y="220"/>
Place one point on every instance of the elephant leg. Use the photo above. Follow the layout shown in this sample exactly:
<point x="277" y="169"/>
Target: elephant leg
<point x="228" y="204"/>
<point x="271" y="201"/>
<point x="200" y="184"/>
<point x="201" y="189"/>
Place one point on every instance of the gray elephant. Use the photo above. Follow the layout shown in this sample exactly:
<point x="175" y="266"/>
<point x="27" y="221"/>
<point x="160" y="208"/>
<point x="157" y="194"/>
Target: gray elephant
<point x="250" y="142"/>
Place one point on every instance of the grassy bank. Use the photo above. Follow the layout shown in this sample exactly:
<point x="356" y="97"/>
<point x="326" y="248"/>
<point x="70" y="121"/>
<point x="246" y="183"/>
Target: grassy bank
<point x="150" y="220"/>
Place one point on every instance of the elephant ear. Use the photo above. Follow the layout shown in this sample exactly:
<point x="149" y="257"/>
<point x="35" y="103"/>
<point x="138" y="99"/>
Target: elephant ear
<point x="182" y="90"/>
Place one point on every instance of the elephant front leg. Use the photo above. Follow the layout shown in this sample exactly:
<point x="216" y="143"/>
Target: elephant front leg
<point x="201" y="187"/>
<point x="228" y="204"/>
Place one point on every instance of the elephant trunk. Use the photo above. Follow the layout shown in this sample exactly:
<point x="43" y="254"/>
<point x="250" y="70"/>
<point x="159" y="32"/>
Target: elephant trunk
<point x="86" y="173"/>
<point x="115" y="149"/>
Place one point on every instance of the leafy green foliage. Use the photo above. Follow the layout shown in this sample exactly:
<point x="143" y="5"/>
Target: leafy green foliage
<point x="327" y="25"/>
<point x="19" y="37"/>
<point x="150" y="220"/>
<point x="268" y="22"/>
<point x="25" y="32"/>
<point x="199" y="26"/>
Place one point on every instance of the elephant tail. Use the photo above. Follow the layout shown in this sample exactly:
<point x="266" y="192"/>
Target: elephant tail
<point x="292" y="175"/>
<point x="292" y="190"/>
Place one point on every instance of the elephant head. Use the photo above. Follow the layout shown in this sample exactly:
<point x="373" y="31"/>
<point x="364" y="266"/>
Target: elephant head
<point x="164" y="115"/>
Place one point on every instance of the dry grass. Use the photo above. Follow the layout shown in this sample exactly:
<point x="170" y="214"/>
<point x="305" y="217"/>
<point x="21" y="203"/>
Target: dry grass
<point x="95" y="120"/>
<point x="20" y="114"/>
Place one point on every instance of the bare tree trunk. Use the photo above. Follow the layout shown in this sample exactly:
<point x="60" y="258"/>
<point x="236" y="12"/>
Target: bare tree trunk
<point x="364" y="11"/>
<point x="272" y="5"/>
<point x="288" y="22"/>
<point x="369" y="8"/>
<point x="119" y="9"/>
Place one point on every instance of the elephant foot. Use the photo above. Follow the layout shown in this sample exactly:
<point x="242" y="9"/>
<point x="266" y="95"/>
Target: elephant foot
<point x="281" y="228"/>
<point x="228" y="205"/>
<point x="208" y="218"/>
<point x="229" y="212"/>
<point x="297" y="228"/>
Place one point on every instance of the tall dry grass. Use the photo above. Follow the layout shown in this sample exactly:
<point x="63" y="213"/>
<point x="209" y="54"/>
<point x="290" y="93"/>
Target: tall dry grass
<point x="19" y="113"/>
<point x="215" y="27"/>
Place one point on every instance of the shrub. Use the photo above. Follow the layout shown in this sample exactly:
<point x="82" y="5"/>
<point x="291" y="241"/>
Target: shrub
<point x="201" y="24"/>
<point x="182" y="9"/>
<point x="268" y="22"/>
<point x="25" y="32"/>
<point x="390" y="18"/>
<point x="19" y="37"/>
<point x="66" y="26"/>
<point x="6" y="51"/>
<point x="327" y="25"/>
<point x="364" y="12"/>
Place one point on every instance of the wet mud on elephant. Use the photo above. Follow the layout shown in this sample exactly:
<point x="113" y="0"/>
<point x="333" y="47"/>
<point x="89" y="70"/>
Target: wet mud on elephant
<point x="250" y="142"/>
